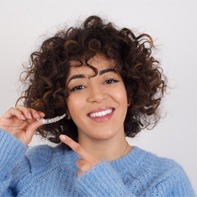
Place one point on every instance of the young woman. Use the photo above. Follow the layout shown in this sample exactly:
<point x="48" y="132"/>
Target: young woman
<point x="108" y="86"/>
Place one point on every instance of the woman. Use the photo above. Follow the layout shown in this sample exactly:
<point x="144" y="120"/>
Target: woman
<point x="109" y="86"/>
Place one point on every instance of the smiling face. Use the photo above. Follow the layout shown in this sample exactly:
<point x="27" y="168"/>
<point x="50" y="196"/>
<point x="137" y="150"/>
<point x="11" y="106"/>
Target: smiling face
<point x="98" y="104"/>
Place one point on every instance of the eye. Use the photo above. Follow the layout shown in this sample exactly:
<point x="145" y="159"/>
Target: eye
<point x="109" y="81"/>
<point x="77" y="88"/>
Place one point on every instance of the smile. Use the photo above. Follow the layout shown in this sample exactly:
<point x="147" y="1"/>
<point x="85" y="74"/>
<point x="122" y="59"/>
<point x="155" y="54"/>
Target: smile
<point x="101" y="113"/>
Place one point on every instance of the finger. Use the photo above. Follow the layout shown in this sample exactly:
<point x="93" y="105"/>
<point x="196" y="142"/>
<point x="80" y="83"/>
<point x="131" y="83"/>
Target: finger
<point x="81" y="171"/>
<point x="80" y="162"/>
<point x="30" y="113"/>
<point x="83" y="166"/>
<point x="26" y="111"/>
<point x="75" y="146"/>
<point x="31" y="130"/>
<point x="36" y="114"/>
<point x="14" y="112"/>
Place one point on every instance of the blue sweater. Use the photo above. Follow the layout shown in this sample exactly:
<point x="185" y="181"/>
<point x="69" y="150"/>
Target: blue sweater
<point x="51" y="171"/>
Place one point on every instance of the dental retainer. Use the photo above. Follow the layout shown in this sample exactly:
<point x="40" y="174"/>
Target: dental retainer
<point x="51" y="120"/>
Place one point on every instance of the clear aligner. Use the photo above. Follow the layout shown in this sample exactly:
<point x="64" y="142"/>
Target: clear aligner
<point x="51" y="120"/>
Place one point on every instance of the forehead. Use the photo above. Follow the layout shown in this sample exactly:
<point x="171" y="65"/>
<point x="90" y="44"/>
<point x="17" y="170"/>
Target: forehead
<point x="100" y="62"/>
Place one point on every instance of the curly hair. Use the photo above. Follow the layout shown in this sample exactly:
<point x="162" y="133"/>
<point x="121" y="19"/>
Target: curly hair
<point x="49" y="68"/>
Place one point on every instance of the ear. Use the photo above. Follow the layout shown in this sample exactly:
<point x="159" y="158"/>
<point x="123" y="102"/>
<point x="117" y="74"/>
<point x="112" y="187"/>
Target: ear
<point x="129" y="103"/>
<point x="68" y="117"/>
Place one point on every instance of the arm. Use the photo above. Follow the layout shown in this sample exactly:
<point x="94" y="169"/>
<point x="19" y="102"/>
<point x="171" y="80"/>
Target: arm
<point x="17" y="127"/>
<point x="103" y="180"/>
<point x="21" y="122"/>
<point x="97" y="178"/>
<point x="173" y="182"/>
<point x="11" y="150"/>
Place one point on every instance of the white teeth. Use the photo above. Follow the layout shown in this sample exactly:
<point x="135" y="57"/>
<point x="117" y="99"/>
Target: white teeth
<point x="102" y="113"/>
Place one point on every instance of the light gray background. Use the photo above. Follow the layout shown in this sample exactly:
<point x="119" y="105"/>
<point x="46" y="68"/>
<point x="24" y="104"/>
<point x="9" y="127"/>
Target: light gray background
<point x="172" y="24"/>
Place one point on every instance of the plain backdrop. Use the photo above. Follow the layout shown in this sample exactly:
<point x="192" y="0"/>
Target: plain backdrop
<point x="25" y="24"/>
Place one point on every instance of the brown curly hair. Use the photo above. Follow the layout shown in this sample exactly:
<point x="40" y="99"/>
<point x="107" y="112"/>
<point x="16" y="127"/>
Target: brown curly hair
<point x="49" y="68"/>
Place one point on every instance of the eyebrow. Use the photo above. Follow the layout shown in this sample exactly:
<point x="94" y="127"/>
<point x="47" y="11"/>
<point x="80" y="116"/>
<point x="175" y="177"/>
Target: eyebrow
<point x="99" y="73"/>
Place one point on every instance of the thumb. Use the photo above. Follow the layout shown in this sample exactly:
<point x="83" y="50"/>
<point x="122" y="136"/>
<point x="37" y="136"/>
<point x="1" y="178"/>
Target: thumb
<point x="31" y="130"/>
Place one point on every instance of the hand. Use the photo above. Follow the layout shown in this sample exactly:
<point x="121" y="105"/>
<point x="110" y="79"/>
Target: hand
<point x="86" y="162"/>
<point x="21" y="122"/>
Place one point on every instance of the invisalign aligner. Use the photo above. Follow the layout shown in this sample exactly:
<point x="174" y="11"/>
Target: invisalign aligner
<point x="51" y="120"/>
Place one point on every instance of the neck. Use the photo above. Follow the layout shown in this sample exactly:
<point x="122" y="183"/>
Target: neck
<point x="106" y="150"/>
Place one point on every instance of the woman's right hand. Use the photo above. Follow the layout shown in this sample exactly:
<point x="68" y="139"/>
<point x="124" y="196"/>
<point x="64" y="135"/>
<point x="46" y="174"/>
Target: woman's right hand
<point x="21" y="122"/>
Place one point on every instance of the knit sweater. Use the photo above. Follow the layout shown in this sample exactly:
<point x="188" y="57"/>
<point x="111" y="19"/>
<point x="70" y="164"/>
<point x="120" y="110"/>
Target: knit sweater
<point x="51" y="171"/>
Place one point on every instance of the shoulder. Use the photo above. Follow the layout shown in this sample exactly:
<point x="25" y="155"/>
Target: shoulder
<point x="43" y="158"/>
<point x="39" y="162"/>
<point x="140" y="162"/>
<point x="163" y="172"/>
<point x="41" y="154"/>
<point x="155" y="160"/>
<point x="46" y="154"/>
<point x="156" y="165"/>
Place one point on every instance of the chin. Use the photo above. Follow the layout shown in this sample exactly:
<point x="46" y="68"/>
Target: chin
<point x="103" y="136"/>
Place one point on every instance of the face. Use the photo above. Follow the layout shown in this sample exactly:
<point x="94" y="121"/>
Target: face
<point x="97" y="105"/>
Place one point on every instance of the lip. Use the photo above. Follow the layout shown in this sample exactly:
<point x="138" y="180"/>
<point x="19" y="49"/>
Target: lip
<point x="104" y="117"/>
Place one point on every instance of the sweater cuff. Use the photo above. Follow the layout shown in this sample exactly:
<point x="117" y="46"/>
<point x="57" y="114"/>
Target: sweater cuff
<point x="11" y="149"/>
<point x="101" y="180"/>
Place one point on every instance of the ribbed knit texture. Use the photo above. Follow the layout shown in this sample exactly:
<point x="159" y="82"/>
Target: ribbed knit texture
<point x="51" y="171"/>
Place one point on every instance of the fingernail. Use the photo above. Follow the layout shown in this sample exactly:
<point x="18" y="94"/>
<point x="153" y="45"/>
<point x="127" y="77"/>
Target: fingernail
<point x="63" y="137"/>
<point x="22" y="117"/>
<point x="29" y="116"/>
<point x="41" y="114"/>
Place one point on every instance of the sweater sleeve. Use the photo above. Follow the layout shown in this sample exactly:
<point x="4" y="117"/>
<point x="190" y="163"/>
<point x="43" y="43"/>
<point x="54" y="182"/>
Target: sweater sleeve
<point x="11" y="150"/>
<point x="173" y="182"/>
<point x="102" y="180"/>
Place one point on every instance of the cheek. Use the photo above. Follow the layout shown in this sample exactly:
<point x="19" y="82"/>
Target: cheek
<point x="75" y="105"/>
<point x="72" y="105"/>
<point x="121" y="96"/>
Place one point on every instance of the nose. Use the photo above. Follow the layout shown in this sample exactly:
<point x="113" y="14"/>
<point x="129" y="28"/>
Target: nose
<point x="96" y="93"/>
